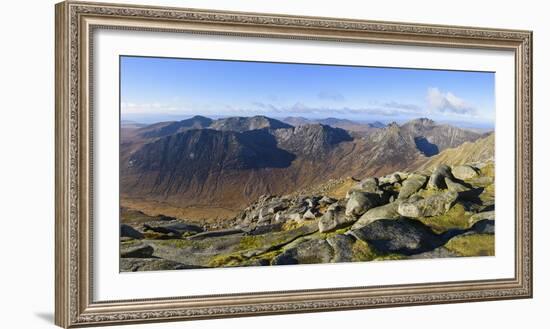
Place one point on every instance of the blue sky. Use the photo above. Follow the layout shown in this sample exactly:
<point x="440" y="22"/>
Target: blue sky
<point x="156" y="89"/>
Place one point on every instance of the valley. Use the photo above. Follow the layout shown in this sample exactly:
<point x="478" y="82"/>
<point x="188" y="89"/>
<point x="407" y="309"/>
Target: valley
<point x="242" y="191"/>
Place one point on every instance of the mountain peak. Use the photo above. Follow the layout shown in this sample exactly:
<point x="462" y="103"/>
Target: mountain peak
<point x="248" y="123"/>
<point x="198" y="117"/>
<point x="377" y="124"/>
<point x="163" y="129"/>
<point x="393" y="125"/>
<point x="421" y="122"/>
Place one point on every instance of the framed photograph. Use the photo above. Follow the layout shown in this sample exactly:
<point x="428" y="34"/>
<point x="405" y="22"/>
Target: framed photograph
<point x="218" y="164"/>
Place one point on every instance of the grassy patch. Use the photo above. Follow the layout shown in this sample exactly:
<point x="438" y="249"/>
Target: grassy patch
<point x="134" y="216"/>
<point x="473" y="245"/>
<point x="340" y="191"/>
<point x="456" y="217"/>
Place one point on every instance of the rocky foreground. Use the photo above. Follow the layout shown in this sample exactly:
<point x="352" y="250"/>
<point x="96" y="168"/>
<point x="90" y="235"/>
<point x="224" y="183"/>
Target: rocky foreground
<point x="445" y="212"/>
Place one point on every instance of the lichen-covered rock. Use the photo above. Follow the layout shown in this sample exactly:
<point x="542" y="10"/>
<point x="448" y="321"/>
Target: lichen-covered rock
<point x="130" y="232"/>
<point x="434" y="205"/>
<point x="360" y="202"/>
<point x="369" y="185"/>
<point x="481" y="216"/>
<point x="405" y="236"/>
<point x="396" y="177"/>
<point x="150" y="264"/>
<point x="465" y="172"/>
<point x="333" y="218"/>
<point x="397" y="216"/>
<point x="437" y="179"/>
<point x="326" y="200"/>
<point x="484" y="226"/>
<point x="467" y="245"/>
<point x="342" y="246"/>
<point x="308" y="252"/>
<point x="213" y="234"/>
<point x="455" y="186"/>
<point x="440" y="252"/>
<point x="135" y="250"/>
<point x="308" y="214"/>
<point x="172" y="229"/>
<point x="225" y="250"/>
<point x="387" y="211"/>
<point x="411" y="185"/>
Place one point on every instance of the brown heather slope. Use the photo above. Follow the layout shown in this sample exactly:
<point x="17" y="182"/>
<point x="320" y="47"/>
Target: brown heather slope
<point x="470" y="152"/>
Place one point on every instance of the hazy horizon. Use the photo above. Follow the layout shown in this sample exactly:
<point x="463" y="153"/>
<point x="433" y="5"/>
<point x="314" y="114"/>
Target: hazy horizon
<point x="167" y="89"/>
<point x="153" y="119"/>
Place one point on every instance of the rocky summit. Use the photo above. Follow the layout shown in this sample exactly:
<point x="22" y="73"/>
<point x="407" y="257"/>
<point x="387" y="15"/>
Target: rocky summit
<point x="443" y="211"/>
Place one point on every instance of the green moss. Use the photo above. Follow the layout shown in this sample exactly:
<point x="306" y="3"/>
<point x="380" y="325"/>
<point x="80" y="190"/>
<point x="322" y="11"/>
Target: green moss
<point x="292" y="224"/>
<point x="362" y="252"/>
<point x="428" y="192"/>
<point x="233" y="259"/>
<point x="473" y="245"/>
<point x="238" y="259"/>
<point x="130" y="243"/>
<point x="250" y="242"/>
<point x="269" y="255"/>
<point x="390" y="257"/>
<point x="176" y="243"/>
<point x="341" y="230"/>
<point x="456" y="217"/>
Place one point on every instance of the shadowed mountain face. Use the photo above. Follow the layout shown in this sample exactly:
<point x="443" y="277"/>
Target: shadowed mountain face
<point x="232" y="161"/>
<point x="434" y="138"/>
<point x="313" y="140"/>
<point x="187" y="153"/>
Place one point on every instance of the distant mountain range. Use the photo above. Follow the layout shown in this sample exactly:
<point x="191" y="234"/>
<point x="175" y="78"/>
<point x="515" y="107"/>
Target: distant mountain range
<point x="232" y="161"/>
<point x="336" y="123"/>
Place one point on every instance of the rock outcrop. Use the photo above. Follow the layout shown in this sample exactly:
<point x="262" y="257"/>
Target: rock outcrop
<point x="446" y="212"/>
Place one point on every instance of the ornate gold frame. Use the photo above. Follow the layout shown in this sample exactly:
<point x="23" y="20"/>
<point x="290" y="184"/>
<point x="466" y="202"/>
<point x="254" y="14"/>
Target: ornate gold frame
<point x="75" y="23"/>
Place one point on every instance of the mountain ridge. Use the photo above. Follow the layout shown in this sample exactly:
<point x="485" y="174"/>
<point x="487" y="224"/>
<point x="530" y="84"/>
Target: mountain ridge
<point x="232" y="161"/>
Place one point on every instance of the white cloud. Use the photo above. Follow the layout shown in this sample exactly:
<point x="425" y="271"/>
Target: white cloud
<point x="145" y="108"/>
<point x="389" y="109"/>
<point x="300" y="108"/>
<point x="402" y="106"/>
<point x="447" y="102"/>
